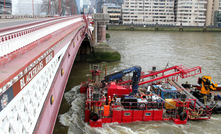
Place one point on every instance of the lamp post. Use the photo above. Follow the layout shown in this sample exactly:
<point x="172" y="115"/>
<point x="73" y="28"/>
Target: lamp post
<point x="59" y="7"/>
<point x="49" y="7"/>
<point x="4" y="6"/>
<point x="72" y="6"/>
<point x="33" y="8"/>
<point x="67" y="7"/>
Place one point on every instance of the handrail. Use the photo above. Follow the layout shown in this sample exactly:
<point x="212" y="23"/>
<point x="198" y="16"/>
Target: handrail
<point x="8" y="40"/>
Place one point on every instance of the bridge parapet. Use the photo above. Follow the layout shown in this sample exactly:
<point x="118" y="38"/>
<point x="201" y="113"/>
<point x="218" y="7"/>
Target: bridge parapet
<point x="100" y="22"/>
<point x="12" y="39"/>
<point x="33" y="83"/>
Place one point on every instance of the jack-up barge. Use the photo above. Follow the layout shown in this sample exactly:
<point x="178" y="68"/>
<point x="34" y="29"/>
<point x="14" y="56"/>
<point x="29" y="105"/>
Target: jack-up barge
<point x="145" y="97"/>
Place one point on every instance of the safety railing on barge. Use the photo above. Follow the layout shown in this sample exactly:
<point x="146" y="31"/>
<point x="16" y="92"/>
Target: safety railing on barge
<point x="123" y="112"/>
<point x="143" y="110"/>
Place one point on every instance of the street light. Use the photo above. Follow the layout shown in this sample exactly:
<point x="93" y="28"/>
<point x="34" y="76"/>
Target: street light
<point x="59" y="10"/>
<point x="67" y="7"/>
<point x="33" y="8"/>
<point x="49" y="7"/>
<point x="4" y="6"/>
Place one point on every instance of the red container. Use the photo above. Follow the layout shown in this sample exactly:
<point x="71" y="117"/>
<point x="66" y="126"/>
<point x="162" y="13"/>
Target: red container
<point x="117" y="116"/>
<point x="83" y="87"/>
<point x="148" y="115"/>
<point x="87" y="115"/>
<point x="97" y="123"/>
<point x="106" y="120"/>
<point x="127" y="116"/>
<point x="114" y="89"/>
<point x="158" y="115"/>
<point x="137" y="115"/>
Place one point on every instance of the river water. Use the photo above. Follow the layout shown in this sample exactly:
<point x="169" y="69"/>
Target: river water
<point x="147" y="49"/>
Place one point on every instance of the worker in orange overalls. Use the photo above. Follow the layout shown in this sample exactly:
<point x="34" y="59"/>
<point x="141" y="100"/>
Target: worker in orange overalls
<point x="109" y="100"/>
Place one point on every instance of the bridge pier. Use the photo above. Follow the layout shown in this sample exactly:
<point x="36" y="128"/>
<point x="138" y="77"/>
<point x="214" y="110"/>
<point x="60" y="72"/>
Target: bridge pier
<point x="100" y="22"/>
<point x="102" y="32"/>
<point x="100" y="51"/>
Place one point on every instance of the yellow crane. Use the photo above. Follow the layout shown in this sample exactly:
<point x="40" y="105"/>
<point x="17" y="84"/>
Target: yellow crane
<point x="207" y="84"/>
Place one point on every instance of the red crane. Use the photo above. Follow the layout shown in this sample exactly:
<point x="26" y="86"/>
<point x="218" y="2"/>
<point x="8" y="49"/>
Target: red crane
<point x="167" y="74"/>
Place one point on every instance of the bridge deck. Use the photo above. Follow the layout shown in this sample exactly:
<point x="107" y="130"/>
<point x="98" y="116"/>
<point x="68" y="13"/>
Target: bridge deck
<point x="12" y="22"/>
<point x="18" y="64"/>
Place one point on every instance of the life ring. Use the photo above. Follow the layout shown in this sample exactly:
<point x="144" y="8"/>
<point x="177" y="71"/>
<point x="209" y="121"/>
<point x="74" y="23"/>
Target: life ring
<point x="217" y="110"/>
<point x="142" y="106"/>
<point x="94" y="116"/>
<point x="149" y="105"/>
<point x="183" y="116"/>
<point x="132" y="29"/>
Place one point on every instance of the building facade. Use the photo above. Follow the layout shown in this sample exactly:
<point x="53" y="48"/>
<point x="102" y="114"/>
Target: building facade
<point x="78" y="6"/>
<point x="148" y="12"/>
<point x="5" y="6"/>
<point x="114" y="12"/>
<point x="216" y="18"/>
<point x="191" y="13"/>
<point x="170" y="12"/>
<point x="26" y="7"/>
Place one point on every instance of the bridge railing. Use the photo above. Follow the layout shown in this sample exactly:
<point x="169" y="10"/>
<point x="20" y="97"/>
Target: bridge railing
<point x="25" y="16"/>
<point x="12" y="39"/>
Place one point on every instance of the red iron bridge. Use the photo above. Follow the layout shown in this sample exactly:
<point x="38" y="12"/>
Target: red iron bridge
<point x="35" y="62"/>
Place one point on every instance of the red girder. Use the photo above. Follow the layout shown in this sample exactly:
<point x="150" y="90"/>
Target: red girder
<point x="180" y="70"/>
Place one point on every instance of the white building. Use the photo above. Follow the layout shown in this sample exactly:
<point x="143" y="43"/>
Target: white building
<point x="191" y="12"/>
<point x="213" y="12"/>
<point x="86" y="6"/>
<point x="148" y="12"/>
<point x="167" y="12"/>
<point x="26" y="7"/>
<point x="217" y="13"/>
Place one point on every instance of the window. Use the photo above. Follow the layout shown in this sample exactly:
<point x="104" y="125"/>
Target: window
<point x="126" y="114"/>
<point x="147" y="114"/>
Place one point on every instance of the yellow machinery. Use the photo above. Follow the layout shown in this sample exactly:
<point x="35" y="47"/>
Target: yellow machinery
<point x="171" y="104"/>
<point x="207" y="84"/>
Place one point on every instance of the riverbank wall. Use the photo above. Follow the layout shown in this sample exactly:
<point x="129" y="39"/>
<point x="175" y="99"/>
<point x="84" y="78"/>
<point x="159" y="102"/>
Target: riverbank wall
<point x="163" y="28"/>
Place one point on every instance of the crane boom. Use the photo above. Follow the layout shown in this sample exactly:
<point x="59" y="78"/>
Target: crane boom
<point x="171" y="73"/>
<point x="118" y="76"/>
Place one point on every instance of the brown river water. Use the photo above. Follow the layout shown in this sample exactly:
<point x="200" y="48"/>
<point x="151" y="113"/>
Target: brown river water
<point x="146" y="49"/>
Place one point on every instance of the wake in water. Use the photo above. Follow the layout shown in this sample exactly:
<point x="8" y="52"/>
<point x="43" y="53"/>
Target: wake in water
<point x="74" y="119"/>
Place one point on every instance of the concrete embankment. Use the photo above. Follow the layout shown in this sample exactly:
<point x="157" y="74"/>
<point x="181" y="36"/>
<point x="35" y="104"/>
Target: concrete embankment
<point x="163" y="28"/>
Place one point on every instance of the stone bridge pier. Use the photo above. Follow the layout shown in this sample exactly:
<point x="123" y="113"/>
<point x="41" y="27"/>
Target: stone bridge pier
<point x="100" y="22"/>
<point x="98" y="50"/>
